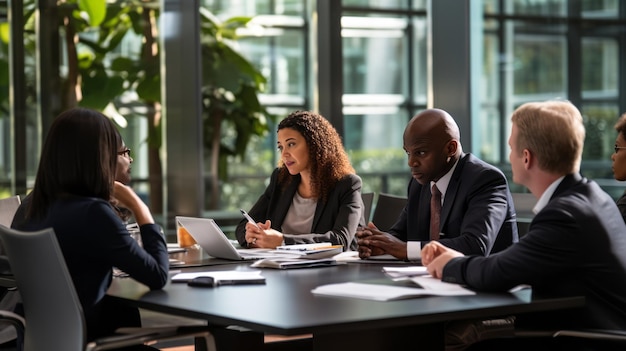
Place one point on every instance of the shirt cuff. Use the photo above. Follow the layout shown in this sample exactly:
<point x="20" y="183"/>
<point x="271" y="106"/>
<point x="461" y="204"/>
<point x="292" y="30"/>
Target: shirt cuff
<point x="414" y="250"/>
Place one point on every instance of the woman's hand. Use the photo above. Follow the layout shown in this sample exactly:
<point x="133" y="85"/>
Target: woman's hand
<point x="262" y="235"/>
<point x="129" y="199"/>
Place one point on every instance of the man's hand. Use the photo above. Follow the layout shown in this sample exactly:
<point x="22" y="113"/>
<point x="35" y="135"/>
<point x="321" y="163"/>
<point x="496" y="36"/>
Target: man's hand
<point x="373" y="242"/>
<point x="435" y="256"/>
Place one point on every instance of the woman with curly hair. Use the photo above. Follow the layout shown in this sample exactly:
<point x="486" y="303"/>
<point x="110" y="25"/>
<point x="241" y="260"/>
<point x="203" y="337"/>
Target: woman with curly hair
<point x="314" y="194"/>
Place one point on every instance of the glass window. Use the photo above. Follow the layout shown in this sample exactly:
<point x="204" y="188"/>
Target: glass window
<point x="420" y="61"/>
<point x="527" y="58"/>
<point x="600" y="8"/>
<point x="374" y="58"/>
<point x="540" y="67"/>
<point x="231" y="8"/>
<point x="599" y="68"/>
<point x="279" y="57"/>
<point x="600" y="136"/>
<point x="396" y="4"/>
<point x="277" y="43"/>
<point x="538" y="7"/>
<point x="385" y="82"/>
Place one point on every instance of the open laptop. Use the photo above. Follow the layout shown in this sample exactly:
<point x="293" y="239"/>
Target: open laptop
<point x="214" y="242"/>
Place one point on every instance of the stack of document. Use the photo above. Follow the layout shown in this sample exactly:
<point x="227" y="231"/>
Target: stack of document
<point x="301" y="256"/>
<point x="291" y="262"/>
<point x="405" y="271"/>
<point x="426" y="286"/>
<point x="308" y="251"/>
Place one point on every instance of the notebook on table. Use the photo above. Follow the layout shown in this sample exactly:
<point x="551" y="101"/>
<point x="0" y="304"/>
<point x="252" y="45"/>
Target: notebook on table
<point x="214" y="242"/>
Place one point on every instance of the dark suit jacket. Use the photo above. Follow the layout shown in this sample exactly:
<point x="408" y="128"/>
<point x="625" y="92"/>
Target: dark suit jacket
<point x="621" y="204"/>
<point x="575" y="246"/>
<point x="94" y="240"/>
<point x="335" y="220"/>
<point x="477" y="217"/>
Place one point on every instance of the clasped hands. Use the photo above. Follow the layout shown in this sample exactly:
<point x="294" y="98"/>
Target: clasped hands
<point x="262" y="235"/>
<point x="373" y="242"/>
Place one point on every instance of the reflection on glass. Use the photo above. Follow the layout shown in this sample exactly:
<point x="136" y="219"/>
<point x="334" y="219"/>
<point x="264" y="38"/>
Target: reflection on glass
<point x="600" y="8"/>
<point x="230" y="8"/>
<point x="487" y="136"/>
<point x="490" y="6"/>
<point x="374" y="60"/>
<point x="537" y="7"/>
<point x="540" y="67"/>
<point x="384" y="152"/>
<point x="420" y="62"/>
<point x="493" y="63"/>
<point x="600" y="69"/>
<point x="600" y="136"/>
<point x="397" y="4"/>
<point x="280" y="60"/>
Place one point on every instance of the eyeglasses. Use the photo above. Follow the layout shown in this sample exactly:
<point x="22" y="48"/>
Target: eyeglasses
<point x="125" y="152"/>
<point x="619" y="147"/>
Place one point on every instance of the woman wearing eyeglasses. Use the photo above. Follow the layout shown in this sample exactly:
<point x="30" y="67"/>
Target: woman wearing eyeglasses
<point x="619" y="160"/>
<point x="76" y="179"/>
<point x="122" y="175"/>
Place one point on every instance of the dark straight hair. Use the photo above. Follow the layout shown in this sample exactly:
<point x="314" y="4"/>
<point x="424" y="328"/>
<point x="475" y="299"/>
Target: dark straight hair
<point x="79" y="157"/>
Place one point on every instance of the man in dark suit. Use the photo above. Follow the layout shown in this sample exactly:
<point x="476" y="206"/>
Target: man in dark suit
<point x="477" y="215"/>
<point x="576" y="243"/>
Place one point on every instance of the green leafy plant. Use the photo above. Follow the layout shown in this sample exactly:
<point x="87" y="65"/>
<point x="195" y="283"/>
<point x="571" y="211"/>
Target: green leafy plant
<point x="232" y="112"/>
<point x="98" y="74"/>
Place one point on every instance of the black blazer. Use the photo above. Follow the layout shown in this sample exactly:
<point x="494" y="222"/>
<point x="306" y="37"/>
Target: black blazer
<point x="575" y="246"/>
<point x="621" y="205"/>
<point x="94" y="240"/>
<point x="335" y="220"/>
<point x="477" y="217"/>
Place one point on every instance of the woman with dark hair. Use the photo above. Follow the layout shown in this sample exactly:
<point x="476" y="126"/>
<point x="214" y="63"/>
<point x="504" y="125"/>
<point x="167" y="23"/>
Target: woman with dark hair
<point x="314" y="195"/>
<point x="73" y="188"/>
<point x="619" y="160"/>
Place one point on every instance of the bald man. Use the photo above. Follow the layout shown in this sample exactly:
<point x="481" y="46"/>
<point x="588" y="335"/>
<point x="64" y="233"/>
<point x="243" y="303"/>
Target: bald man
<point x="477" y="212"/>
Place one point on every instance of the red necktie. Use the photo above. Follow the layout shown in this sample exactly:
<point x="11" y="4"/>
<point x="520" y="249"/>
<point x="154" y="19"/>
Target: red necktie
<point x="435" y="212"/>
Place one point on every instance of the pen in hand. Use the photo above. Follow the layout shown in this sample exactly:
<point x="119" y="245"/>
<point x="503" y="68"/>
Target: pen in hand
<point x="247" y="216"/>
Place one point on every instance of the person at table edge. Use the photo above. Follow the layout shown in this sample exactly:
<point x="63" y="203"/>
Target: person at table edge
<point x="576" y="243"/>
<point x="477" y="213"/>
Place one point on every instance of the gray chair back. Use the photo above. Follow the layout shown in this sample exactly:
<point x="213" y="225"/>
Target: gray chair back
<point x="387" y="211"/>
<point x="8" y="207"/>
<point x="54" y="316"/>
<point x="368" y="200"/>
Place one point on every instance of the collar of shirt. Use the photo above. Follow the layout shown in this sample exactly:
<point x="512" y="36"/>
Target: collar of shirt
<point x="545" y="197"/>
<point x="443" y="182"/>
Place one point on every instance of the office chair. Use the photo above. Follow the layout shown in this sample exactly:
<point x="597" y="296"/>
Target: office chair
<point x="368" y="200"/>
<point x="9" y="296"/>
<point x="8" y="207"/>
<point x="388" y="208"/>
<point x="53" y="313"/>
<point x="579" y="339"/>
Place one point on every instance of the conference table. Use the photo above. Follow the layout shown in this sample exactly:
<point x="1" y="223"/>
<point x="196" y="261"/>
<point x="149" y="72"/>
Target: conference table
<point x="285" y="305"/>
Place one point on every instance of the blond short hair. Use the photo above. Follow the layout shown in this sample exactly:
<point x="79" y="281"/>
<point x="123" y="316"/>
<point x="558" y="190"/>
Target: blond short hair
<point x="553" y="131"/>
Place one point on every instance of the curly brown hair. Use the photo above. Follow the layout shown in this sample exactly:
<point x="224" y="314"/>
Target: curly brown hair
<point x="329" y="160"/>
